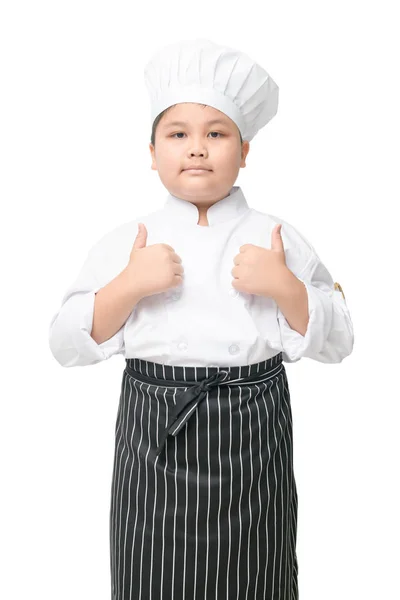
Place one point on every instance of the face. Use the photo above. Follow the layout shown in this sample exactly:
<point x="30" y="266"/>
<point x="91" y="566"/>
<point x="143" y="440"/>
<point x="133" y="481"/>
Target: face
<point x="198" y="142"/>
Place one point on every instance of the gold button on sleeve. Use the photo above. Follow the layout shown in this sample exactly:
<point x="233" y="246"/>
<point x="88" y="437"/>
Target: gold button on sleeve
<point x="339" y="287"/>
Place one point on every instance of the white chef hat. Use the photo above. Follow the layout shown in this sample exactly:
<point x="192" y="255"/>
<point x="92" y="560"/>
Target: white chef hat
<point x="207" y="73"/>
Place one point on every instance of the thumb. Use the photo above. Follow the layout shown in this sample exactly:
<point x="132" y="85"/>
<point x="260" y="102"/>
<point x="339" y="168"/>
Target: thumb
<point x="141" y="237"/>
<point x="276" y="238"/>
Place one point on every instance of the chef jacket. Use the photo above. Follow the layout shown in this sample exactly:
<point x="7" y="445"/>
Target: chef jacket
<point x="204" y="321"/>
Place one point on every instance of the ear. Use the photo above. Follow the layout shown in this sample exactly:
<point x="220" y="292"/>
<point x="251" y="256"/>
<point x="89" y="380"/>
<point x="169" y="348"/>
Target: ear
<point x="245" y="151"/>
<point x="153" y="157"/>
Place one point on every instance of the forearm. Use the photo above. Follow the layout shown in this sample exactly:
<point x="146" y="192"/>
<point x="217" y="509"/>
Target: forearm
<point x="113" y="305"/>
<point x="292" y="299"/>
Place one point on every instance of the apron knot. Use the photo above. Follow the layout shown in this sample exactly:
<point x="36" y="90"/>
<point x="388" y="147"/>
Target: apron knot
<point x="213" y="380"/>
<point x="187" y="402"/>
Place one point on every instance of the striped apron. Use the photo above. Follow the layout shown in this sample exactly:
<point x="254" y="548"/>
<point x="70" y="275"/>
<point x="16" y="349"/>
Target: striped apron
<point x="203" y="497"/>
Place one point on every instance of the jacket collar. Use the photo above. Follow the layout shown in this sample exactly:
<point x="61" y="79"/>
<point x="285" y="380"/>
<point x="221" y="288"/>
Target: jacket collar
<point x="233" y="205"/>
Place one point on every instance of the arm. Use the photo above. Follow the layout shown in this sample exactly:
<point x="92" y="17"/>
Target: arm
<point x="292" y="300"/>
<point x="70" y="339"/>
<point x="113" y="305"/>
<point x="323" y="333"/>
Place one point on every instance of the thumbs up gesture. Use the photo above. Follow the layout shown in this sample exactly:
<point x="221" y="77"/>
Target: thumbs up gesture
<point x="153" y="269"/>
<point x="261" y="271"/>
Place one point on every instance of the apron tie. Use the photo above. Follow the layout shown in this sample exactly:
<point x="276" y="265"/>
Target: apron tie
<point x="187" y="402"/>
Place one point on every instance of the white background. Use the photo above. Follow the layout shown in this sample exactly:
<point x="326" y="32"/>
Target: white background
<point x="75" y="128"/>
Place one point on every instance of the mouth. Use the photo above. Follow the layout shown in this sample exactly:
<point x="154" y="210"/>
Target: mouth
<point x="198" y="170"/>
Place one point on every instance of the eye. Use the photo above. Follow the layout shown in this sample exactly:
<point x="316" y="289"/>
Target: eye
<point x="180" y="132"/>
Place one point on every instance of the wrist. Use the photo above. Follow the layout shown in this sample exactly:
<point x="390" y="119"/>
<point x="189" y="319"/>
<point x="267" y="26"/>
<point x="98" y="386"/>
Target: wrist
<point x="128" y="281"/>
<point x="287" y="284"/>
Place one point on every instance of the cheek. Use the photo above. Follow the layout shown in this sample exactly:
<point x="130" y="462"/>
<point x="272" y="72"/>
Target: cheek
<point x="230" y="155"/>
<point x="169" y="159"/>
<point x="231" y="162"/>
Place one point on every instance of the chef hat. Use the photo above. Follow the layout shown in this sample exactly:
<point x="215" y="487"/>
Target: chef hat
<point x="207" y="73"/>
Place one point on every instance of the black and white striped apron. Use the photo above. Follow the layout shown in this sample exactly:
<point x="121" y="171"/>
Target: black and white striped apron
<point x="203" y="499"/>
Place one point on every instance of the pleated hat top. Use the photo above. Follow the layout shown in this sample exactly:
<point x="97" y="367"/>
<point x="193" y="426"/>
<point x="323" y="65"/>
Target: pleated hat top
<point x="207" y="73"/>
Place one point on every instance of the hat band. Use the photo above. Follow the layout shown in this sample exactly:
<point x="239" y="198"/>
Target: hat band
<point x="200" y="95"/>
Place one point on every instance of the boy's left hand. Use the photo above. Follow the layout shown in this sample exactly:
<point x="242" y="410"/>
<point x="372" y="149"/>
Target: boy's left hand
<point x="261" y="271"/>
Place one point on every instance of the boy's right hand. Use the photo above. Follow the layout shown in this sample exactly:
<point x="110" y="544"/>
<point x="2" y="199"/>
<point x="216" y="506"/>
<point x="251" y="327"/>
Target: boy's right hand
<point x="153" y="269"/>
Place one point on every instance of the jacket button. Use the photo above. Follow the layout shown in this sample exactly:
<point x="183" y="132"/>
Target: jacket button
<point x="234" y="349"/>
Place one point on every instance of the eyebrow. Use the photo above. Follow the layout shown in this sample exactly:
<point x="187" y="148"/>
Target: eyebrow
<point x="183" y="123"/>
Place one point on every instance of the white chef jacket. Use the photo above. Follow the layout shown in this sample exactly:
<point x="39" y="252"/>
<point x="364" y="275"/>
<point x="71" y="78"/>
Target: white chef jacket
<point x="204" y="321"/>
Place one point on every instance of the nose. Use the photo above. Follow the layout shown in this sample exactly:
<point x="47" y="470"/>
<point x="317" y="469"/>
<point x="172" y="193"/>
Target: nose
<point x="198" y="153"/>
<point x="197" y="147"/>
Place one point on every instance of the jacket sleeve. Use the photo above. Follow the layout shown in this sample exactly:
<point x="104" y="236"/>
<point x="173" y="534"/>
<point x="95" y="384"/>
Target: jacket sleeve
<point x="69" y="333"/>
<point x="329" y="337"/>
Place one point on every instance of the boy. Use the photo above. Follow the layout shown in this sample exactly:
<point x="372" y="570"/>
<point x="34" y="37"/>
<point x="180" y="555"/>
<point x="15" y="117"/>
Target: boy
<point x="206" y="305"/>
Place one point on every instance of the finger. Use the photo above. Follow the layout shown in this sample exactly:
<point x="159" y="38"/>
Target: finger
<point x="276" y="238"/>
